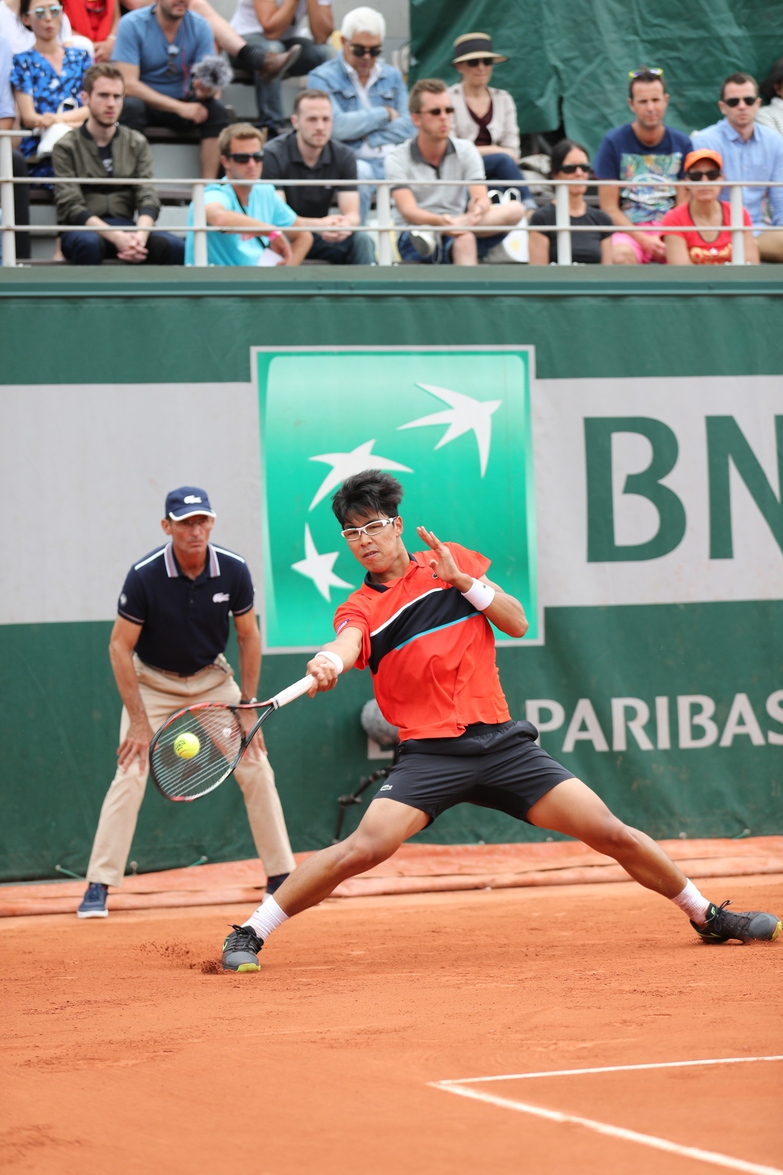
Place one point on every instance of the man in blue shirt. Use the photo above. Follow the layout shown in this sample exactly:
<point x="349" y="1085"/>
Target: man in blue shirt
<point x="750" y="152"/>
<point x="648" y="151"/>
<point x="156" y="48"/>
<point x="369" y="99"/>
<point x="166" y="652"/>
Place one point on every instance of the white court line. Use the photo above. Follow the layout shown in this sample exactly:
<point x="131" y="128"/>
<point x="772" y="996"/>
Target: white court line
<point x="649" y="1140"/>
<point x="606" y="1069"/>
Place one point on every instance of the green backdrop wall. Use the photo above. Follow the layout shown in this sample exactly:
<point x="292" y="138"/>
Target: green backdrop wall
<point x="579" y="52"/>
<point x="599" y="340"/>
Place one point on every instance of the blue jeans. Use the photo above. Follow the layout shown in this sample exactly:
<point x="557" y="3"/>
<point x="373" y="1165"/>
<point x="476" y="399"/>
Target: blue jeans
<point x="442" y="255"/>
<point x="268" y="96"/>
<point x="368" y="169"/>
<point x="89" y="248"/>
<point x="499" y="168"/>
<point x="357" y="249"/>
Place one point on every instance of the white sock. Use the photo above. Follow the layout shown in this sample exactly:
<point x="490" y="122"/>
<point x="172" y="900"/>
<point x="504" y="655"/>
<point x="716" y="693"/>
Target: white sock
<point x="692" y="903"/>
<point x="266" y="918"/>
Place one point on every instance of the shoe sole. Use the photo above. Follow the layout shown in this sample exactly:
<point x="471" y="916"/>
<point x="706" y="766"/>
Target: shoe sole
<point x="92" y="913"/>
<point x="289" y="65"/>
<point x="717" y="941"/>
<point x="243" y="967"/>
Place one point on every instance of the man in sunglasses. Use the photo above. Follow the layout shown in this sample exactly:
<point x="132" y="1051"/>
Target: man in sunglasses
<point x="459" y="209"/>
<point x="750" y="152"/>
<point x="369" y="99"/>
<point x="643" y="154"/>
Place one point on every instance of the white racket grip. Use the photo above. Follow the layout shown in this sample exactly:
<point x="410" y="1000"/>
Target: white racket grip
<point x="292" y="691"/>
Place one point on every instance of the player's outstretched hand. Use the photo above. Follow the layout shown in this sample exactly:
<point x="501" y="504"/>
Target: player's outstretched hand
<point x="442" y="561"/>
<point x="325" y="673"/>
<point x="136" y="743"/>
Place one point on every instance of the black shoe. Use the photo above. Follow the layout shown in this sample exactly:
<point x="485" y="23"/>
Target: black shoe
<point x="272" y="67"/>
<point x="240" y="950"/>
<point x="750" y="926"/>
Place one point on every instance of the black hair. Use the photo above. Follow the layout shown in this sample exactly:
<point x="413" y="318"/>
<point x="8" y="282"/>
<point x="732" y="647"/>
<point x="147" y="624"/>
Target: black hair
<point x="559" y="152"/>
<point x="370" y="492"/>
<point x="645" y="75"/>
<point x="738" y="79"/>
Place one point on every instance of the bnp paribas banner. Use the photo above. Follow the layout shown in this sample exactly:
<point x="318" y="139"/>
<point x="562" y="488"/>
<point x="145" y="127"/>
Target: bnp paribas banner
<point x="452" y="424"/>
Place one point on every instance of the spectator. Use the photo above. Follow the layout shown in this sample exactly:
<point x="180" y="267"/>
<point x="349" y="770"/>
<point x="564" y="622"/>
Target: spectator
<point x="709" y="242"/>
<point x="570" y="161"/>
<point x="281" y="26"/>
<point x="369" y="99"/>
<point x="271" y="66"/>
<point x="434" y="154"/>
<point x="96" y="21"/>
<point x="643" y="150"/>
<point x="155" y="50"/>
<point x="308" y="152"/>
<point x="47" y="80"/>
<point x="484" y="115"/>
<point x="772" y="89"/>
<point x="250" y="214"/>
<point x="7" y="117"/>
<point x="102" y="147"/>
<point x="749" y="152"/>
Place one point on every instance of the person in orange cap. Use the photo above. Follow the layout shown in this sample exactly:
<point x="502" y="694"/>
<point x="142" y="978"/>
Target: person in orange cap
<point x="705" y="219"/>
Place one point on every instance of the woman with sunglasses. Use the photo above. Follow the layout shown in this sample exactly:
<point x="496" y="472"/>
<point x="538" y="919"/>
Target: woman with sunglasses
<point x="570" y="161"/>
<point x="485" y="115"/>
<point x="47" y="77"/>
<point x="709" y="240"/>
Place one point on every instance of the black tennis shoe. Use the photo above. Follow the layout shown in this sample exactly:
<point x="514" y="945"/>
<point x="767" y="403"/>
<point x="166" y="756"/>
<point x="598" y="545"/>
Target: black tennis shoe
<point x="240" y="950"/>
<point x="749" y="926"/>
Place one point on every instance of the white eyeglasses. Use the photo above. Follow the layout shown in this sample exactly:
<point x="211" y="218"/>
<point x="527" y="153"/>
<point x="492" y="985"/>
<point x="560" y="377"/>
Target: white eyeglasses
<point x="353" y="533"/>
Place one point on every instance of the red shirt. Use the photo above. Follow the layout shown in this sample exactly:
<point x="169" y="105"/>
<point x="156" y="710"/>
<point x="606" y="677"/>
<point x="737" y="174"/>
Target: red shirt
<point x="431" y="653"/>
<point x="701" y="252"/>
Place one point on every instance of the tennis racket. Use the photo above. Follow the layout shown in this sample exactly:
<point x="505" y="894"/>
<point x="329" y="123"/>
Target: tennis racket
<point x="197" y="748"/>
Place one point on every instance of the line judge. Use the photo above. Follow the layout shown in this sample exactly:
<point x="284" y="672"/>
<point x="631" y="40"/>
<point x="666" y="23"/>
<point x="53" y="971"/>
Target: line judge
<point x="167" y="651"/>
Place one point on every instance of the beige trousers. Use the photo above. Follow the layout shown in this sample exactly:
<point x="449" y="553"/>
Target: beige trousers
<point x="161" y="694"/>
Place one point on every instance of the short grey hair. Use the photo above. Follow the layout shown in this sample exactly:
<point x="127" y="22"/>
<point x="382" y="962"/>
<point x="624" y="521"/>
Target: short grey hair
<point x="363" y="20"/>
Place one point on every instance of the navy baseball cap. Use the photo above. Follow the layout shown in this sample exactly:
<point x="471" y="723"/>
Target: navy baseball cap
<point x="187" y="501"/>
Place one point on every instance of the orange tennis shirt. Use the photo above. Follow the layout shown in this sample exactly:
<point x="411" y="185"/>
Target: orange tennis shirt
<point x="431" y="653"/>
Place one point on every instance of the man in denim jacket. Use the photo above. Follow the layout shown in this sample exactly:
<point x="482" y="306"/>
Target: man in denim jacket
<point x="369" y="99"/>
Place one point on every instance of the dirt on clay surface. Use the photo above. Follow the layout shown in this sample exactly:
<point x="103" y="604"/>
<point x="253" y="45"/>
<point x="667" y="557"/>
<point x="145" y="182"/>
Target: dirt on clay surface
<point x="126" y="1050"/>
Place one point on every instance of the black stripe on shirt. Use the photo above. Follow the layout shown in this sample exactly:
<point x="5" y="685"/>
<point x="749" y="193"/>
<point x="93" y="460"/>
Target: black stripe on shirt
<point x="426" y="614"/>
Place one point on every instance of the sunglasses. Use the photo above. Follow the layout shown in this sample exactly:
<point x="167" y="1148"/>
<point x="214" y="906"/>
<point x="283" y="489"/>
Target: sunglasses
<point x="488" y="61"/>
<point x="712" y="174"/>
<point x="438" y="110"/>
<point x="362" y="50"/>
<point x="572" y="168"/>
<point x="173" y="52"/>
<point x="52" y="10"/>
<point x="635" y="73"/>
<point x="732" y="102"/>
<point x="245" y="156"/>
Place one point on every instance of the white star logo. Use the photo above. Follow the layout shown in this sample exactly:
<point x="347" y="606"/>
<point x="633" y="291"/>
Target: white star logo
<point x="464" y="415"/>
<point x="318" y="568"/>
<point x="347" y="464"/>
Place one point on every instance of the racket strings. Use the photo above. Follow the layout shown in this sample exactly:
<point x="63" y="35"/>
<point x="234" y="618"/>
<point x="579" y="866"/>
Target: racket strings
<point x="189" y="766"/>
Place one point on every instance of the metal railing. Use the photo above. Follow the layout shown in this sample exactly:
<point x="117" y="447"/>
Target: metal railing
<point x="385" y="227"/>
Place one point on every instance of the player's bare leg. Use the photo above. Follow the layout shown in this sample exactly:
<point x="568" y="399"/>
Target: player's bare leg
<point x="384" y="827"/>
<point x="573" y="809"/>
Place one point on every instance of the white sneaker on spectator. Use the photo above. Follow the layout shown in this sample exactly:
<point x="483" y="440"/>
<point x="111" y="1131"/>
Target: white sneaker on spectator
<point x="425" y="243"/>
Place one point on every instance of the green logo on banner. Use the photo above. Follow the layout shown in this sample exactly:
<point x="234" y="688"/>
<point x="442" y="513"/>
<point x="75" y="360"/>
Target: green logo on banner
<point x="453" y="425"/>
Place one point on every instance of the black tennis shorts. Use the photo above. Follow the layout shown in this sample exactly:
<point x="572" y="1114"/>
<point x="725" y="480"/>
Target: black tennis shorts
<point x="492" y="765"/>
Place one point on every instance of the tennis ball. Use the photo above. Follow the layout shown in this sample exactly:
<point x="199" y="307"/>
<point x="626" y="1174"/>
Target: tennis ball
<point x="187" y="746"/>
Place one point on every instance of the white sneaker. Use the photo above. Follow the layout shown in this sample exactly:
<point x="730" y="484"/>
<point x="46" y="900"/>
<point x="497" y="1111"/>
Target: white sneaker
<point x="425" y="243"/>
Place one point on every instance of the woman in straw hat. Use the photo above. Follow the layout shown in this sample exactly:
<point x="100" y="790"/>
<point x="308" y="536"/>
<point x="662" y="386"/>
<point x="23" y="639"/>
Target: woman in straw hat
<point x="485" y="115"/>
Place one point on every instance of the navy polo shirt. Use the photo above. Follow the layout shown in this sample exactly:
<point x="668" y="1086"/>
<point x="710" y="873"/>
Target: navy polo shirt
<point x="184" y="622"/>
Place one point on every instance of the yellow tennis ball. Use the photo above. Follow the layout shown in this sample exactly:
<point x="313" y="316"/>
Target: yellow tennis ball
<point x="187" y="746"/>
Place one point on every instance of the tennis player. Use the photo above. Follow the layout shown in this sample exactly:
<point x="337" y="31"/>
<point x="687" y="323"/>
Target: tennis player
<point x="421" y="624"/>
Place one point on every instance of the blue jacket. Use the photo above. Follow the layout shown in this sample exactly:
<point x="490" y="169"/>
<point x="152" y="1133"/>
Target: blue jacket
<point x="353" y="123"/>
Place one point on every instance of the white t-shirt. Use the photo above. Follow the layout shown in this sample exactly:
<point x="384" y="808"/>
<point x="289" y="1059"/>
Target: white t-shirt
<point x="19" y="37"/>
<point x="245" y="21"/>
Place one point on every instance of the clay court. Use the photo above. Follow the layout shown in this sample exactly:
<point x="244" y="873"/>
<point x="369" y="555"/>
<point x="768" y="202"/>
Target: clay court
<point x="127" y="1050"/>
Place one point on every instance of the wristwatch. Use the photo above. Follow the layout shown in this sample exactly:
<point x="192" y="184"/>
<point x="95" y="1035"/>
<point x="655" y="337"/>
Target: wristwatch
<point x="248" y="701"/>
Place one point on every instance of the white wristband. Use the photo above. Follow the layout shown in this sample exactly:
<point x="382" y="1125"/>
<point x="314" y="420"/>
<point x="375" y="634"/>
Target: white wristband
<point x="335" y="658"/>
<point x="480" y="595"/>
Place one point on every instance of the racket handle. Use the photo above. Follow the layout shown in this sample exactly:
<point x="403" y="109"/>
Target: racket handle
<point x="292" y="691"/>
